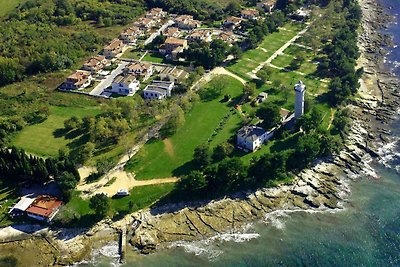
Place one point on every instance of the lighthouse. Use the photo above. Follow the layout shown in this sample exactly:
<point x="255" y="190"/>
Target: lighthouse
<point x="299" y="89"/>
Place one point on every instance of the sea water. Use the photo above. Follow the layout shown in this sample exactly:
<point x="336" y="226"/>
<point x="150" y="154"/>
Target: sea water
<point x="365" y="233"/>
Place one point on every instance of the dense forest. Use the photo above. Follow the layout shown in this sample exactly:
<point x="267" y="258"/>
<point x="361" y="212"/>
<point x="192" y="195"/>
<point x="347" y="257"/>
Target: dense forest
<point x="17" y="167"/>
<point x="43" y="36"/>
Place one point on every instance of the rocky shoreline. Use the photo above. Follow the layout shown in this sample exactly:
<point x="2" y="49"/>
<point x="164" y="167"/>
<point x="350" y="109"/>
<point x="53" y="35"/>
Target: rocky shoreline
<point x="323" y="187"/>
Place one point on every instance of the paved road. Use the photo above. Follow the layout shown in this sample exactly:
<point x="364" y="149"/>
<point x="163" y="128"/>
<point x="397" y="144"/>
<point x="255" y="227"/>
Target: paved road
<point x="158" y="32"/>
<point x="107" y="81"/>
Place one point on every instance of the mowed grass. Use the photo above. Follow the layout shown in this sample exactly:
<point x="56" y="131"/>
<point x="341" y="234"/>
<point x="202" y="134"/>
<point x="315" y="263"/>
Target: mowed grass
<point x="6" y="6"/>
<point x="251" y="59"/>
<point x="140" y="197"/>
<point x="153" y="57"/>
<point x="171" y="157"/>
<point x="40" y="139"/>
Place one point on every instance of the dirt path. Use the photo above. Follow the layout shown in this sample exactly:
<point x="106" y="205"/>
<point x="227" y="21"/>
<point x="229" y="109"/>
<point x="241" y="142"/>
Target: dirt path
<point x="331" y="119"/>
<point x="168" y="147"/>
<point x="124" y="180"/>
<point x="223" y="71"/>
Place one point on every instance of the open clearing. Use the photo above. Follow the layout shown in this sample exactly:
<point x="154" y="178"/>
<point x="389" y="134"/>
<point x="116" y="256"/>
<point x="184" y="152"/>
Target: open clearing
<point x="42" y="139"/>
<point x="152" y="161"/>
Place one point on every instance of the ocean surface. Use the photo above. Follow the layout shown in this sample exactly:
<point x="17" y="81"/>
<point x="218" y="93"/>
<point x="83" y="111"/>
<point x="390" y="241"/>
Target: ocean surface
<point x="365" y="233"/>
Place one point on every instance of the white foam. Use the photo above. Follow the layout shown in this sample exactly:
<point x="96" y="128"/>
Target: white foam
<point x="388" y="153"/>
<point x="209" y="247"/>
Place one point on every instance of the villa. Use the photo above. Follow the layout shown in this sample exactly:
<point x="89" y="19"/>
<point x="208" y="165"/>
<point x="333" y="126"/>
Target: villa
<point x="139" y="70"/>
<point x="172" y="32"/>
<point x="78" y="80"/>
<point x="113" y="49"/>
<point x="131" y="34"/>
<point x="267" y="5"/>
<point x="232" y="22"/>
<point x="95" y="64"/>
<point x="44" y="208"/>
<point x="251" y="137"/>
<point x="174" y="74"/>
<point x="172" y="47"/>
<point x="200" y="36"/>
<point x="250" y="14"/>
<point x="125" y="85"/>
<point x="158" y="90"/>
<point x="187" y="22"/>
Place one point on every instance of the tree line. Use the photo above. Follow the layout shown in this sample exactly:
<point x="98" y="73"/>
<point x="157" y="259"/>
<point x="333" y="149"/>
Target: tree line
<point x="17" y="167"/>
<point x="341" y="55"/>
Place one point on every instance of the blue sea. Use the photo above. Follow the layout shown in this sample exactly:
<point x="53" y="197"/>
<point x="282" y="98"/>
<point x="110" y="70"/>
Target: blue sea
<point x="365" y="233"/>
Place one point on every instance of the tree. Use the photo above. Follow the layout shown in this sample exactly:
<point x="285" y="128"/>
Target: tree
<point x="269" y="167"/>
<point x="222" y="151"/>
<point x="236" y="51"/>
<point x="310" y="122"/>
<point x="10" y="70"/>
<point x="194" y="182"/>
<point x="249" y="90"/>
<point x="307" y="149"/>
<point x="72" y="123"/>
<point x="100" y="203"/>
<point x="270" y="114"/>
<point x="86" y="152"/>
<point x="202" y="156"/>
<point x="230" y="174"/>
<point x="176" y="120"/>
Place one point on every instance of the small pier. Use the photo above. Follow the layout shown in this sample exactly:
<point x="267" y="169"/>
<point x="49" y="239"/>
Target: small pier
<point x="122" y="245"/>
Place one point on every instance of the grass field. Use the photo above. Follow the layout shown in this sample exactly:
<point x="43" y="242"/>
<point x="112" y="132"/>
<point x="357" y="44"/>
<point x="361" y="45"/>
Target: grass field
<point x="161" y="159"/>
<point x="139" y="198"/>
<point x="8" y="5"/>
<point x="272" y="42"/>
<point x="132" y="54"/>
<point x="41" y="139"/>
<point x="153" y="57"/>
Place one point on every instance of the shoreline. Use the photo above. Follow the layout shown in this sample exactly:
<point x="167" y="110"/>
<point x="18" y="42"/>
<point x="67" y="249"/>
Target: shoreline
<point x="323" y="187"/>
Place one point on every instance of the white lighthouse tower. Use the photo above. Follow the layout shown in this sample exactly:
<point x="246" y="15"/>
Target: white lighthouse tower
<point x="299" y="89"/>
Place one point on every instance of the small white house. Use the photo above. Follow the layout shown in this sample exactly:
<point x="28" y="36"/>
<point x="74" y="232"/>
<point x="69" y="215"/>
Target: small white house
<point x="252" y="137"/>
<point x="125" y="85"/>
<point x="158" y="90"/>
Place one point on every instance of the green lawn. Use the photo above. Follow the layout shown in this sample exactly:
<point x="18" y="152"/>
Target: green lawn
<point x="161" y="159"/>
<point x="140" y="197"/>
<point x="132" y="54"/>
<point x="272" y="42"/>
<point x="153" y="57"/>
<point x="8" y="5"/>
<point x="42" y="140"/>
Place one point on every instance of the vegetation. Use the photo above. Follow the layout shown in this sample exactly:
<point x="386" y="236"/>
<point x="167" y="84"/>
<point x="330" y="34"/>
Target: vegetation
<point x="17" y="167"/>
<point x="52" y="46"/>
<point x="100" y="203"/>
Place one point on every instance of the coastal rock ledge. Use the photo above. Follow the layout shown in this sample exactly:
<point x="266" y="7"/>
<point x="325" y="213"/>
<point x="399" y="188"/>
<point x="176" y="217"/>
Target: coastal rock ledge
<point x="323" y="187"/>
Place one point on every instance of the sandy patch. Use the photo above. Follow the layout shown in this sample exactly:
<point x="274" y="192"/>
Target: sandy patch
<point x="168" y="147"/>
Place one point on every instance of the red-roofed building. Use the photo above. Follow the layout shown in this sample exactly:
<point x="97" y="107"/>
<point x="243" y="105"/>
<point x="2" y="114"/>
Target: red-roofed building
<point x="44" y="208"/>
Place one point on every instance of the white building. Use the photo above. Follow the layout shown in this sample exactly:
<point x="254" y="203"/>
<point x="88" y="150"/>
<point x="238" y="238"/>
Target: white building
<point x="125" y="85"/>
<point x="251" y="137"/>
<point x="158" y="90"/>
<point x="300" y="90"/>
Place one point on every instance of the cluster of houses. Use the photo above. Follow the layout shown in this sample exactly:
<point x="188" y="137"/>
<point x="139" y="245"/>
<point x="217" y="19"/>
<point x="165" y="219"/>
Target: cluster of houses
<point x="252" y="137"/>
<point x="42" y="207"/>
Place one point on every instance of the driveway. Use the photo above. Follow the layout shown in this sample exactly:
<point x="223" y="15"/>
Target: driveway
<point x="107" y="81"/>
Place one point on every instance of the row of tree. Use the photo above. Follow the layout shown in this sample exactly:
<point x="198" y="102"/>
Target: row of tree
<point x="18" y="167"/>
<point x="341" y="55"/>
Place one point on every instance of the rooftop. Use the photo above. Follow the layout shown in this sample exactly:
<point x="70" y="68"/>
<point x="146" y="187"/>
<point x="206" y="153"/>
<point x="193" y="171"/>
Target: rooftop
<point x="128" y="79"/>
<point x="44" y="205"/>
<point x="251" y="132"/>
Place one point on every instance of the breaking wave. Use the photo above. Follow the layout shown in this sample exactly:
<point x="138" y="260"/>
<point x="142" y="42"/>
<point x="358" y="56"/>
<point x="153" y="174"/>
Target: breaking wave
<point x="210" y="248"/>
